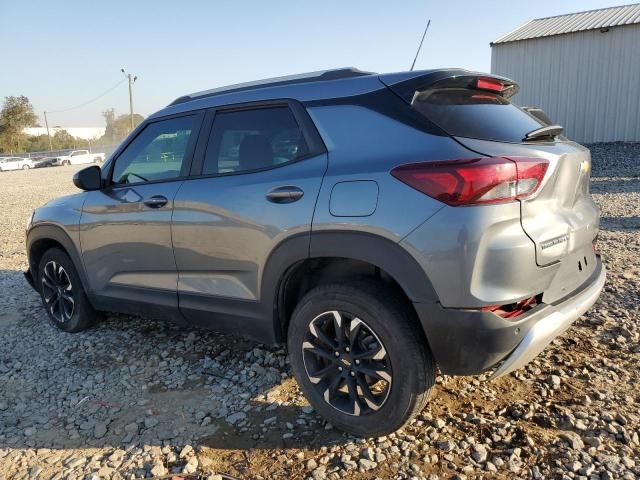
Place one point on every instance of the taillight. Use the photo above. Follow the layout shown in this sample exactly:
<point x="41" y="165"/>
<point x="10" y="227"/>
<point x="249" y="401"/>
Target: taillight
<point x="491" y="84"/>
<point x="475" y="181"/>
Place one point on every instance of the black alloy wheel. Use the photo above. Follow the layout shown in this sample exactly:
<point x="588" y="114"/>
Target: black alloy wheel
<point x="57" y="291"/>
<point x="359" y="356"/>
<point x="347" y="363"/>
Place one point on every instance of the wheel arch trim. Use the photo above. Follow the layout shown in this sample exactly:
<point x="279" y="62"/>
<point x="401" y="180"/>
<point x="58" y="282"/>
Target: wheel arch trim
<point x="380" y="252"/>
<point x="376" y="250"/>
<point x="55" y="233"/>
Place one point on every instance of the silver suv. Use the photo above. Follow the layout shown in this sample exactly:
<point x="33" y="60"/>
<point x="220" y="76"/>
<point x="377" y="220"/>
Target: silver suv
<point x="382" y="226"/>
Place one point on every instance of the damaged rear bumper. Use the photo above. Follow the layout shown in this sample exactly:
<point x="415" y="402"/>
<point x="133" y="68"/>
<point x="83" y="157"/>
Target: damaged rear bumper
<point x="469" y="342"/>
<point x="557" y="321"/>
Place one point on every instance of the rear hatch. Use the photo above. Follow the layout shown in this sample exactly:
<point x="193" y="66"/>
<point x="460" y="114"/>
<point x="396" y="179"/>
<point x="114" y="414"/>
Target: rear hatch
<point x="560" y="217"/>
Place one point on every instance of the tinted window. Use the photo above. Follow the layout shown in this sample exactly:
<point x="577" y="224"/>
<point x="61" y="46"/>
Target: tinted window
<point x="157" y="153"/>
<point x="253" y="139"/>
<point x="475" y="114"/>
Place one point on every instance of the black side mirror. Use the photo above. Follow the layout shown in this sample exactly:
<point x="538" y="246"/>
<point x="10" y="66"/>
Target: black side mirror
<point x="89" y="178"/>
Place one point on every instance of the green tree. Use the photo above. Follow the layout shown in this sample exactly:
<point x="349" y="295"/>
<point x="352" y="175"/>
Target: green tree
<point x="118" y="127"/>
<point x="37" y="143"/>
<point x="109" y="118"/>
<point x="62" y="140"/>
<point x="17" y="114"/>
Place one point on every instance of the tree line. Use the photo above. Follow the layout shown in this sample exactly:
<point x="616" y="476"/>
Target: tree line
<point x="17" y="113"/>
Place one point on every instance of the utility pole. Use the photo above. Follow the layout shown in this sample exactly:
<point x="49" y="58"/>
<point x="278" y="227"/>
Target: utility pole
<point x="46" y="122"/>
<point x="131" y="82"/>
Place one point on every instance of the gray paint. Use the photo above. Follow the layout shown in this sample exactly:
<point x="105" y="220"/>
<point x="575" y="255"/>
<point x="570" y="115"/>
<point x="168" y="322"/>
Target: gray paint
<point x="344" y="126"/>
<point x="561" y="208"/>
<point x="354" y="199"/>
<point x="224" y="228"/>
<point x="126" y="244"/>
<point x="585" y="81"/>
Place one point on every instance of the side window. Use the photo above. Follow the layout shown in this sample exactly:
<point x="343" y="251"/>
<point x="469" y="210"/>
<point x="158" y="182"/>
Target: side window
<point x="157" y="153"/>
<point x="253" y="139"/>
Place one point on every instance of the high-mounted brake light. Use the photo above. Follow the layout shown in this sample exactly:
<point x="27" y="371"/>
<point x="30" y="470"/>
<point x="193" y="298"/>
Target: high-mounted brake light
<point x="489" y="84"/>
<point x="475" y="181"/>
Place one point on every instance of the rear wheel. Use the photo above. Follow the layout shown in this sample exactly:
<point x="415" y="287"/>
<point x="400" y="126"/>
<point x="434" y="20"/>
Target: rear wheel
<point x="26" y="167"/>
<point x="360" y="358"/>
<point x="62" y="293"/>
<point x="65" y="163"/>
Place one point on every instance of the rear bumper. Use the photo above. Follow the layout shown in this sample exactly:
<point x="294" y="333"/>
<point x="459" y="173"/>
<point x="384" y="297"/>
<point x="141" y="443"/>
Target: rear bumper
<point x="468" y="342"/>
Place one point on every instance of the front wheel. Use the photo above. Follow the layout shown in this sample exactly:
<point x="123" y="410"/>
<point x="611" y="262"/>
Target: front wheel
<point x="360" y="358"/>
<point x="62" y="293"/>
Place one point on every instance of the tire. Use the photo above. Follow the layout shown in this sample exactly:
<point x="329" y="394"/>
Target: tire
<point x="58" y="278"/>
<point x="65" y="163"/>
<point x="400" y="374"/>
<point x="26" y="167"/>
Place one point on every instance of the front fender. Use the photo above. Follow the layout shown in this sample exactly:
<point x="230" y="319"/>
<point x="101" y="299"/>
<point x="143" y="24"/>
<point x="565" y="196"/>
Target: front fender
<point x="43" y="235"/>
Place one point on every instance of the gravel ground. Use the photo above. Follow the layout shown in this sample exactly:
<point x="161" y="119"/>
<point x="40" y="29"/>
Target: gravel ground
<point x="135" y="398"/>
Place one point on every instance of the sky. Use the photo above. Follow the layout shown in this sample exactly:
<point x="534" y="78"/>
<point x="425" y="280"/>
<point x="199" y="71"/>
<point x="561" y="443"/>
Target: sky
<point x="63" y="54"/>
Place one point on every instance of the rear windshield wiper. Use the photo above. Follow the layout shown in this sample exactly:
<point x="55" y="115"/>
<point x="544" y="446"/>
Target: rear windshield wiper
<point x="550" y="131"/>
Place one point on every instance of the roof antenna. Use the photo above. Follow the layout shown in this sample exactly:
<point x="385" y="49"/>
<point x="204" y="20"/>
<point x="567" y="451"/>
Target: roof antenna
<point x="420" y="46"/>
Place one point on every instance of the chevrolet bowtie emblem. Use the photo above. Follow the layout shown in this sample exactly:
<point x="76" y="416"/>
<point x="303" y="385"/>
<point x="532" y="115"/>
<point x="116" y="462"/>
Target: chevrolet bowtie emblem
<point x="584" y="166"/>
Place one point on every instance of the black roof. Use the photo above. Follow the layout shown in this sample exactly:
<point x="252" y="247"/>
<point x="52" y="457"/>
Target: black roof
<point x="324" y="75"/>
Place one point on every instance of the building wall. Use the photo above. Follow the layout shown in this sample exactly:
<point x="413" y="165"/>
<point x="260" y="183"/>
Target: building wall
<point x="86" y="133"/>
<point x="588" y="82"/>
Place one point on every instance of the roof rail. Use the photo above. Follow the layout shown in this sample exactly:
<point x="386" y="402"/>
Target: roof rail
<point x="323" y="75"/>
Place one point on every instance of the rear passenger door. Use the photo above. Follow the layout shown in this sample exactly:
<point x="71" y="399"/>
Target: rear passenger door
<point x="254" y="187"/>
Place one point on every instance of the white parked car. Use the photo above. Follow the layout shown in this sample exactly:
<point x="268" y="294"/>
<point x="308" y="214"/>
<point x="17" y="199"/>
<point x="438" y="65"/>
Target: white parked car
<point x="79" y="156"/>
<point x="15" y="163"/>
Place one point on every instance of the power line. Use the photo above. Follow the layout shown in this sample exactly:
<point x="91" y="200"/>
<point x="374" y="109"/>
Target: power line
<point x="90" y="101"/>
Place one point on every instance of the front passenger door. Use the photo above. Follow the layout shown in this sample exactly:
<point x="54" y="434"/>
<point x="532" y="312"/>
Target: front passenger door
<point x="125" y="229"/>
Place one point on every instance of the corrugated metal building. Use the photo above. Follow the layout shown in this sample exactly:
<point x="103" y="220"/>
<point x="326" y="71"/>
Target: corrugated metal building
<point x="582" y="69"/>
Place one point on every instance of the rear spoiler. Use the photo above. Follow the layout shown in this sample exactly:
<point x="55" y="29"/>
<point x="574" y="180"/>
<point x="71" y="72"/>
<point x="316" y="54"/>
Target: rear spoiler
<point x="539" y="114"/>
<point x="407" y="83"/>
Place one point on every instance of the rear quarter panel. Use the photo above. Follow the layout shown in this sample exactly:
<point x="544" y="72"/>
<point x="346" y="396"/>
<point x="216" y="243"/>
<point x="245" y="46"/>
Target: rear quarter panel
<point x="365" y="145"/>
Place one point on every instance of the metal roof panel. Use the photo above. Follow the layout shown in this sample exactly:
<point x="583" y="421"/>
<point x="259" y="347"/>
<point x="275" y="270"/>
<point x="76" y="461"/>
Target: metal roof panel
<point x="574" y="22"/>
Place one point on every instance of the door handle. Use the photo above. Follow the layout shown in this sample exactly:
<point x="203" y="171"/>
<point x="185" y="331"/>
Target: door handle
<point x="157" y="201"/>
<point x="286" y="194"/>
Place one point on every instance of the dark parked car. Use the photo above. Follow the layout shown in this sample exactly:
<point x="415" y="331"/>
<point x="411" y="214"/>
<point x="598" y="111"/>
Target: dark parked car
<point x="379" y="225"/>
<point x="44" y="162"/>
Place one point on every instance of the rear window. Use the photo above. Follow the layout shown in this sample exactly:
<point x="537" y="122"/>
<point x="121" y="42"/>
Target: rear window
<point x="478" y="114"/>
